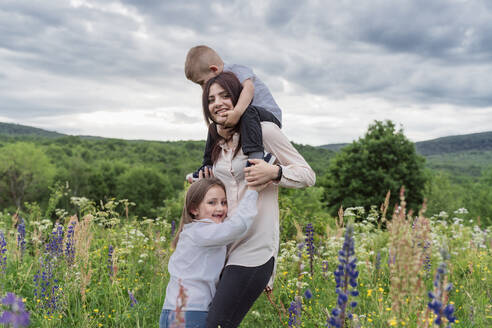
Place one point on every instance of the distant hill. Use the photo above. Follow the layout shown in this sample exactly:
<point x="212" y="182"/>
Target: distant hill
<point x="15" y="130"/>
<point x="445" y="145"/>
<point x="454" y="144"/>
<point x="458" y="155"/>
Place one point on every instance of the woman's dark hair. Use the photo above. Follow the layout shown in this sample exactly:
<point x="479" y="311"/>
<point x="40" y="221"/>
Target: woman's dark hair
<point x="230" y="83"/>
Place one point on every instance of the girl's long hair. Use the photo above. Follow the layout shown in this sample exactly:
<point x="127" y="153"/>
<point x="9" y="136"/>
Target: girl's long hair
<point x="233" y="87"/>
<point x="194" y="196"/>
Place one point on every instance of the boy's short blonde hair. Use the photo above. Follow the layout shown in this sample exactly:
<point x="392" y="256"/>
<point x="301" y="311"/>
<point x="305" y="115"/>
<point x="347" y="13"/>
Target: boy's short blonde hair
<point x="198" y="61"/>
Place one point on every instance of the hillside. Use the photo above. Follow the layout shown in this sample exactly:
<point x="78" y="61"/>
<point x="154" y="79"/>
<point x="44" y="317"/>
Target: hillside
<point x="444" y="145"/>
<point x="454" y="144"/>
<point x="15" y="130"/>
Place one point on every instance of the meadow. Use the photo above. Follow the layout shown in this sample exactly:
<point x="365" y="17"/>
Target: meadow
<point x="99" y="265"/>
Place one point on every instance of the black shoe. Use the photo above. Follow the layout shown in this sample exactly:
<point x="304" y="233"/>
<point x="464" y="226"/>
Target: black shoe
<point x="267" y="157"/>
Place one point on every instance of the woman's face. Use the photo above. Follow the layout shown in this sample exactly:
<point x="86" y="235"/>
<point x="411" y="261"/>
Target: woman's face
<point x="219" y="103"/>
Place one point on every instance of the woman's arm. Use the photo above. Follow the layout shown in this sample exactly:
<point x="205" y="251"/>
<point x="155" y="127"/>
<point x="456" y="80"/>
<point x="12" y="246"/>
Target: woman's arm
<point x="296" y="172"/>
<point x="220" y="234"/>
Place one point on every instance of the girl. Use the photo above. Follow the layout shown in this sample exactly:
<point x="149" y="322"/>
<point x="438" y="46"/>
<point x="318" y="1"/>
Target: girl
<point x="200" y="249"/>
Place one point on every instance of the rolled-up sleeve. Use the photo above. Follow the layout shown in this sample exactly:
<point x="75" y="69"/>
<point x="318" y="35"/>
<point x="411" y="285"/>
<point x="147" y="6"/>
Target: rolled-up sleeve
<point x="296" y="172"/>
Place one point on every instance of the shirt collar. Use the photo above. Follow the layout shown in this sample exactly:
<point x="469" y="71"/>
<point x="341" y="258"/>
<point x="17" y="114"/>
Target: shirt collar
<point x="235" y="141"/>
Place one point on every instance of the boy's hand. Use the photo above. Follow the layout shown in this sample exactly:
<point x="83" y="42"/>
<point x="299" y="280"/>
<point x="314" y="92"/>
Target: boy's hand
<point x="260" y="172"/>
<point x="232" y="118"/>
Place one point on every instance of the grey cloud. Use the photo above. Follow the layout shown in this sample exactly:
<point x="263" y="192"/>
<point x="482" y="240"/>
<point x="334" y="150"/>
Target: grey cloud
<point x="407" y="52"/>
<point x="182" y="118"/>
<point x="75" y="42"/>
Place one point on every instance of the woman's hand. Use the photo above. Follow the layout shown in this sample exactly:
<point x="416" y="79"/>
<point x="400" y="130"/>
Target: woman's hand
<point x="260" y="172"/>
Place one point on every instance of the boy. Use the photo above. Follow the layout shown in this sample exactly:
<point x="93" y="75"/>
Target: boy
<point x="203" y="63"/>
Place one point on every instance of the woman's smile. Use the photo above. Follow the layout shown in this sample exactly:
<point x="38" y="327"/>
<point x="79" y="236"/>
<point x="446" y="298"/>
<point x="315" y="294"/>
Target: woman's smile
<point x="219" y="103"/>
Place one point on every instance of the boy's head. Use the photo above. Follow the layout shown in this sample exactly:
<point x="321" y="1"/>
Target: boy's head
<point x="202" y="63"/>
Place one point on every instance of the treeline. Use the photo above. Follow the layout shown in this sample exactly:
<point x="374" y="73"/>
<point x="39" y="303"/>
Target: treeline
<point x="151" y="173"/>
<point x="144" y="172"/>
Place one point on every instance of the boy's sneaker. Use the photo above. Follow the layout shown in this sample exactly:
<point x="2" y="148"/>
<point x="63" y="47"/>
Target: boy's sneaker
<point x="192" y="177"/>
<point x="267" y="157"/>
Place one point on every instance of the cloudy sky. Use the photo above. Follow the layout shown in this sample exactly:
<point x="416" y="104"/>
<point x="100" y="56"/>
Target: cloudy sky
<point x="115" y="68"/>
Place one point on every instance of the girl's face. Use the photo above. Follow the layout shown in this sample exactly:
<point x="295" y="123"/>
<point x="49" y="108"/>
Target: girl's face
<point x="219" y="103"/>
<point x="213" y="205"/>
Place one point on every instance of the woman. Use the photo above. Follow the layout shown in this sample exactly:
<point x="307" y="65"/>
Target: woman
<point x="251" y="260"/>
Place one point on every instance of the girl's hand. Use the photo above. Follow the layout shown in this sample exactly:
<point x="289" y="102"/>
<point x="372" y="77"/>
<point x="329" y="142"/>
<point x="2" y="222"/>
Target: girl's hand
<point x="260" y="172"/>
<point x="205" y="173"/>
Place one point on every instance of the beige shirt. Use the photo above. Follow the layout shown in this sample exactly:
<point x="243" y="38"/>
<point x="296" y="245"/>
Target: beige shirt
<point x="261" y="242"/>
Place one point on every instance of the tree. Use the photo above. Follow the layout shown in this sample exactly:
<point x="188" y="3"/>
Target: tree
<point x="362" y="172"/>
<point x="25" y="173"/>
<point x="145" y="186"/>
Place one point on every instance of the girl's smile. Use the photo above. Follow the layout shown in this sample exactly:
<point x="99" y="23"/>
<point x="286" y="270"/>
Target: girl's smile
<point x="213" y="205"/>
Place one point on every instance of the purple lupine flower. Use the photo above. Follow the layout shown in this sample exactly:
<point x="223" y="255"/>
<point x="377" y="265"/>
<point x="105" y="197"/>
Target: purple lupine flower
<point x="295" y="313"/>
<point x="55" y="245"/>
<point x="378" y="262"/>
<point x="3" y="251"/>
<point x="310" y="245"/>
<point x="21" y="235"/>
<point x="308" y="294"/>
<point x="173" y="227"/>
<point x="110" y="261"/>
<point x="70" y="244"/>
<point x="345" y="277"/>
<point x="16" y="315"/>
<point x="437" y="299"/>
<point x="46" y="286"/>
<point x="300" y="247"/>
<point x="133" y="300"/>
<point x="325" y="268"/>
<point x="427" y="259"/>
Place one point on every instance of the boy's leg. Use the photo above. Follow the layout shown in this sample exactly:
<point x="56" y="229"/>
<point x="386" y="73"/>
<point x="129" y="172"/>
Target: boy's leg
<point x="251" y="136"/>
<point x="267" y="116"/>
<point x="207" y="156"/>
<point x="250" y="127"/>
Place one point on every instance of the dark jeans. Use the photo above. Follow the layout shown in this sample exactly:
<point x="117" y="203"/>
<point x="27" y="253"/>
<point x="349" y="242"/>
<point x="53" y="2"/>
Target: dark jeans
<point x="250" y="129"/>
<point x="238" y="289"/>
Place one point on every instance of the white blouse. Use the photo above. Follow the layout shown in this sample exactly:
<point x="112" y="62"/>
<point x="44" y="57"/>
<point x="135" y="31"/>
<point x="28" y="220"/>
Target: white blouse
<point x="261" y="242"/>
